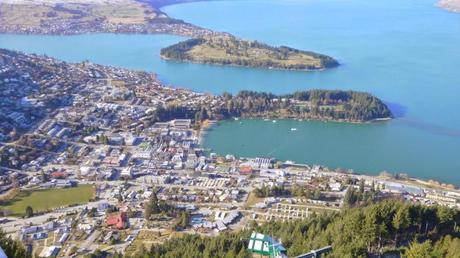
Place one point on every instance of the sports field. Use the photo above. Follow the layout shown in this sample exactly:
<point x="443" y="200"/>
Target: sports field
<point x="41" y="200"/>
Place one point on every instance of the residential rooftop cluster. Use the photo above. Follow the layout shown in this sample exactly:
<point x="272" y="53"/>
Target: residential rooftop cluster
<point x="79" y="17"/>
<point x="110" y="134"/>
<point x="71" y="27"/>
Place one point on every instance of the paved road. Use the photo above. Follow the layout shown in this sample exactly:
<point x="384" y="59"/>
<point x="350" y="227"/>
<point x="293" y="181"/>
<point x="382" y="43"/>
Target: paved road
<point x="90" y="240"/>
<point x="15" y="224"/>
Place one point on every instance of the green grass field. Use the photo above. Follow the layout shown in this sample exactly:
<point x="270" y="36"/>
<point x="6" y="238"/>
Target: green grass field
<point x="41" y="200"/>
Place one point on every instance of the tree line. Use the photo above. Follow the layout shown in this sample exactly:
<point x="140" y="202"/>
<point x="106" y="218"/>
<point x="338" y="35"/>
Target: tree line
<point x="179" y="51"/>
<point x="389" y="227"/>
<point x="280" y="191"/>
<point x="310" y="104"/>
<point x="320" y="104"/>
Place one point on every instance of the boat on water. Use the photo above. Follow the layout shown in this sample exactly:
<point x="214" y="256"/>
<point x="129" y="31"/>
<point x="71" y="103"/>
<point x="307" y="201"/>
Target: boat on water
<point x="236" y="118"/>
<point x="293" y="129"/>
<point x="274" y="121"/>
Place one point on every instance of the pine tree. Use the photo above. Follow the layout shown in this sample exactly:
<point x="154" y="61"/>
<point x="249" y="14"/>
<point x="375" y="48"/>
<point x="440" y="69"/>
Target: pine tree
<point x="420" y="250"/>
<point x="29" y="212"/>
<point x="401" y="221"/>
<point x="12" y="248"/>
<point x="350" y="197"/>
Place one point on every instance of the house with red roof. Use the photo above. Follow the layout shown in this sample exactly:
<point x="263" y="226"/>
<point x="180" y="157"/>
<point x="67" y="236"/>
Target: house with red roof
<point x="117" y="219"/>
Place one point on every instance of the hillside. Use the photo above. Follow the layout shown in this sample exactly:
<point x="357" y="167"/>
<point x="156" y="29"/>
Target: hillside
<point x="390" y="228"/>
<point x="86" y="16"/>
<point x="232" y="51"/>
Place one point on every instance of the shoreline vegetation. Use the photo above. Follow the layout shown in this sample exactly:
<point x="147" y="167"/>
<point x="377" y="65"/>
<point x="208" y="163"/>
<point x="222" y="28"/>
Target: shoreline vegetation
<point x="323" y="105"/>
<point x="229" y="50"/>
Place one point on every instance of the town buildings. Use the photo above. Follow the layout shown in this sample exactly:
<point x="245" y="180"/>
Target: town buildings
<point x="64" y="125"/>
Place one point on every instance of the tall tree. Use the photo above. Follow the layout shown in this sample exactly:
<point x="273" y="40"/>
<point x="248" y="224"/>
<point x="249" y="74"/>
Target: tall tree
<point x="401" y="221"/>
<point x="12" y="248"/>
<point x="350" y="197"/>
<point x="29" y="212"/>
<point x="420" y="250"/>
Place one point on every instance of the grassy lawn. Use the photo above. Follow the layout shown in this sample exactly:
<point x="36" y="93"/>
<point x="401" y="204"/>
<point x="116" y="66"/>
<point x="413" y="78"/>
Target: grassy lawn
<point x="208" y="52"/>
<point x="32" y="14"/>
<point x="41" y="200"/>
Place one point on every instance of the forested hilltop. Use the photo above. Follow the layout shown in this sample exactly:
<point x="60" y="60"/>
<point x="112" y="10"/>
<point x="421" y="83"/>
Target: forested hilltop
<point x="333" y="105"/>
<point x="228" y="50"/>
<point x="390" y="227"/>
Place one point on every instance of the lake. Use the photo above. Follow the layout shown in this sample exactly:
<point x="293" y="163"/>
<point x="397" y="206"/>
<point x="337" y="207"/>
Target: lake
<point x="389" y="48"/>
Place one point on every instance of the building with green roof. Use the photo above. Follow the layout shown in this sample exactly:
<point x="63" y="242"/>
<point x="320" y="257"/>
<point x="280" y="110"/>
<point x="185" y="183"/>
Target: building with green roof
<point x="265" y="246"/>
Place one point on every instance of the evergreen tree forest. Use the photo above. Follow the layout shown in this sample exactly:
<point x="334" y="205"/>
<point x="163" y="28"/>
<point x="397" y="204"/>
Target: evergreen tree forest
<point x="12" y="248"/>
<point x="334" y="105"/>
<point x="388" y="227"/>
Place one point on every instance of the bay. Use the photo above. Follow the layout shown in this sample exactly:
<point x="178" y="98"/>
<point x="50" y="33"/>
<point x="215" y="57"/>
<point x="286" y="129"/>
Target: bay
<point x="405" y="52"/>
<point x="364" y="148"/>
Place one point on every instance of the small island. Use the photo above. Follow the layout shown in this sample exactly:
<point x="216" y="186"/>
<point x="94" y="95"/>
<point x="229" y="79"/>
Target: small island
<point x="229" y="50"/>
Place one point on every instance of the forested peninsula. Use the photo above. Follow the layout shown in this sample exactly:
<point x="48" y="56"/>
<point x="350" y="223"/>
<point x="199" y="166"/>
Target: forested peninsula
<point x="229" y="50"/>
<point x="328" y="105"/>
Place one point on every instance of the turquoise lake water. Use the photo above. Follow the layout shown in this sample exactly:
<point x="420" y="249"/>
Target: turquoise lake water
<point x="405" y="52"/>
